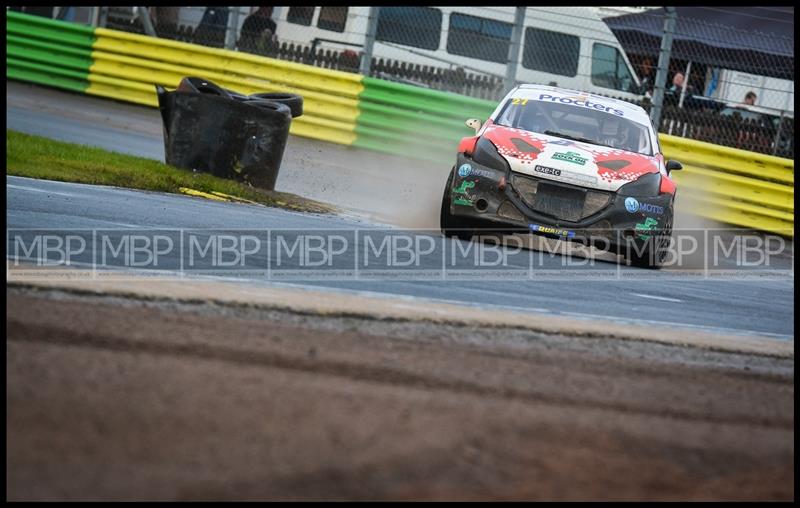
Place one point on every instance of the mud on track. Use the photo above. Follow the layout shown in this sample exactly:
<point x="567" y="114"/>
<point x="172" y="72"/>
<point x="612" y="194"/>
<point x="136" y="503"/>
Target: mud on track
<point x="119" y="398"/>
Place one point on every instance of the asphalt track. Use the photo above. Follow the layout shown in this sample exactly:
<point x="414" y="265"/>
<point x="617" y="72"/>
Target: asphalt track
<point x="755" y="303"/>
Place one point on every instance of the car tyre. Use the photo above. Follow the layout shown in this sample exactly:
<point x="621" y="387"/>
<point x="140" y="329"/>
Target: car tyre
<point x="657" y="248"/>
<point x="451" y="225"/>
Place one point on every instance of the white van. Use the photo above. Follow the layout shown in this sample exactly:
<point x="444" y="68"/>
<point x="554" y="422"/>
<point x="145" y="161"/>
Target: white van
<point x="568" y="47"/>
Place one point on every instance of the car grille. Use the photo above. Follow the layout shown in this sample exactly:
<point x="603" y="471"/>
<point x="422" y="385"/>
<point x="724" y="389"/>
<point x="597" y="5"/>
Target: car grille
<point x="508" y="211"/>
<point x="561" y="201"/>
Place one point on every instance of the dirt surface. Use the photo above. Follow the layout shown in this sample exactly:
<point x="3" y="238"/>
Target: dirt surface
<point x="127" y="399"/>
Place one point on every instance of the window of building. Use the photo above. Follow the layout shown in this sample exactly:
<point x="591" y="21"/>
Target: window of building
<point x="411" y="26"/>
<point x="553" y="52"/>
<point x="332" y="18"/>
<point x="300" y="15"/>
<point x="482" y="38"/>
<point x="609" y="69"/>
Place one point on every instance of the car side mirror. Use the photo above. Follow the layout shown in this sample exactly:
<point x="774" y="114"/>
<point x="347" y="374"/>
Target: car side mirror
<point x="673" y="165"/>
<point x="474" y="123"/>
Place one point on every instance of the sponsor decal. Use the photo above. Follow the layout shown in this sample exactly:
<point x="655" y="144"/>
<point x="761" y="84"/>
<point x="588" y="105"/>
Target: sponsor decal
<point x="650" y="208"/>
<point x="633" y="205"/>
<point x="467" y="170"/>
<point x="566" y="176"/>
<point x="648" y="225"/>
<point x="583" y="101"/>
<point x="462" y="189"/>
<point x="538" y="228"/>
<point x="572" y="157"/>
<point x="547" y="171"/>
<point x="464" y="199"/>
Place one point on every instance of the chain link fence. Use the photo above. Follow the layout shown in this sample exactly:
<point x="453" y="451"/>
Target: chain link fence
<point x="724" y="84"/>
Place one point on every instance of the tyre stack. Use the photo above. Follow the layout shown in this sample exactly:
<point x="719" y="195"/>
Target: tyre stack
<point x="214" y="130"/>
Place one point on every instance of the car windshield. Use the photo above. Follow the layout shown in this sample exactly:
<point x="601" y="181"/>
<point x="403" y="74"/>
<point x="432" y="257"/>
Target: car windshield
<point x="577" y="123"/>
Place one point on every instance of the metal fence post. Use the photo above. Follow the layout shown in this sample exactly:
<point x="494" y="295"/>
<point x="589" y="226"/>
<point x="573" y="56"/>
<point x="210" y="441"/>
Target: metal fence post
<point x="103" y="17"/>
<point x="685" y="83"/>
<point x="369" y="42"/>
<point x="663" y="65"/>
<point x="777" y="140"/>
<point x="144" y="15"/>
<point x="232" y="29"/>
<point x="513" y="50"/>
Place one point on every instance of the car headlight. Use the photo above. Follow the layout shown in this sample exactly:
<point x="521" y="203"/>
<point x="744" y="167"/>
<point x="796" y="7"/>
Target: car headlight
<point x="646" y="186"/>
<point x="486" y="154"/>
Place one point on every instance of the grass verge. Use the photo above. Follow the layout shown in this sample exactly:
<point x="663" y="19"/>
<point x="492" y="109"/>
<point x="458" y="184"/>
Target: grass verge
<point x="38" y="157"/>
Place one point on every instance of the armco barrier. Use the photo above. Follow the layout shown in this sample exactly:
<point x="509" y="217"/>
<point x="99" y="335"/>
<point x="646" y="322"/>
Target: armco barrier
<point x="408" y="120"/>
<point x="734" y="186"/>
<point x="126" y="66"/>
<point x="48" y="52"/>
<point x="729" y="185"/>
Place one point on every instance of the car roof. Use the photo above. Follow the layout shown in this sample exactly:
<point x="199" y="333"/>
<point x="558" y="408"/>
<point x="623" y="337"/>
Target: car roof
<point x="534" y="92"/>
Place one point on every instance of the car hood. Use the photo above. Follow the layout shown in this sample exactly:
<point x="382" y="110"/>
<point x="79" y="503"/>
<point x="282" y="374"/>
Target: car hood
<point x="564" y="160"/>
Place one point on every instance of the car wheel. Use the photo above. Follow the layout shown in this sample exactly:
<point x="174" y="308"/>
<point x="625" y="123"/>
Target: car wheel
<point x="295" y="102"/>
<point x="655" y="254"/>
<point x="451" y="225"/>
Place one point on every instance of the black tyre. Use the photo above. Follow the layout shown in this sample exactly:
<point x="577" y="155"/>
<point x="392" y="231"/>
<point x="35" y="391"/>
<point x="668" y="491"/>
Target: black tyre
<point x="656" y="248"/>
<point x="200" y="85"/>
<point x="295" y="102"/>
<point x="237" y="96"/>
<point x="270" y="105"/>
<point x="451" y="225"/>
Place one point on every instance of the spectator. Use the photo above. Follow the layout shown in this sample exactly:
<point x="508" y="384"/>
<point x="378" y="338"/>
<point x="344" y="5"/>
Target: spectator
<point x="211" y="30"/>
<point x="677" y="83"/>
<point x="165" y="21"/>
<point x="677" y="86"/>
<point x="750" y="98"/>
<point x="258" y="32"/>
<point x="648" y="77"/>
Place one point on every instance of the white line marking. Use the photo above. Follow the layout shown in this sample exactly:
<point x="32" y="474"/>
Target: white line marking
<point x="29" y="189"/>
<point x="662" y="298"/>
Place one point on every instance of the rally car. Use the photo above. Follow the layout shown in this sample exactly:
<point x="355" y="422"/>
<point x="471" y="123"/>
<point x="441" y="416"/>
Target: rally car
<point x="569" y="165"/>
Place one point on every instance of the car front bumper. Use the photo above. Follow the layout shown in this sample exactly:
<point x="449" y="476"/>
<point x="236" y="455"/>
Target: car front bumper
<point x="504" y="201"/>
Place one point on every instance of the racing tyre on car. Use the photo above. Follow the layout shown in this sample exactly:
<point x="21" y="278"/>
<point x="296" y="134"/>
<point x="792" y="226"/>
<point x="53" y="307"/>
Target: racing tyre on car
<point x="450" y="224"/>
<point x="656" y="249"/>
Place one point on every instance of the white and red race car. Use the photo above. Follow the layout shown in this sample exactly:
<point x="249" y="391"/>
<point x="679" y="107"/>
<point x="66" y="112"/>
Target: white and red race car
<point x="569" y="165"/>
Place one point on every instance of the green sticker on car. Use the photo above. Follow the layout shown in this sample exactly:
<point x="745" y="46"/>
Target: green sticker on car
<point x="465" y="185"/>
<point x="573" y="157"/>
<point x="462" y="189"/>
<point x="648" y="225"/>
